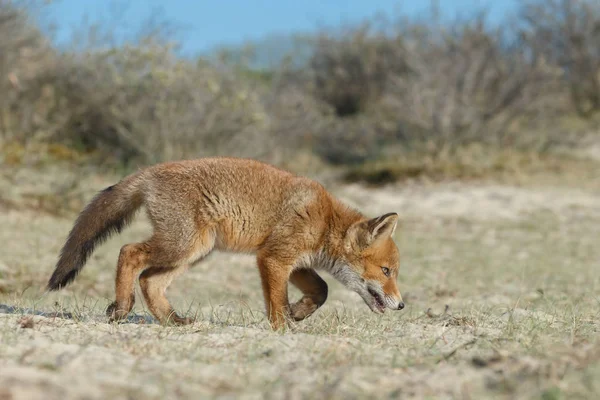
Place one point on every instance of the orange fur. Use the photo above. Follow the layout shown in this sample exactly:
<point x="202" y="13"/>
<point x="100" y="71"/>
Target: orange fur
<point x="292" y="223"/>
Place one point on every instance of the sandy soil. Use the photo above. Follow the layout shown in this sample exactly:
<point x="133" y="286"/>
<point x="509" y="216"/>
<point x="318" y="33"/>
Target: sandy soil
<point x="501" y="284"/>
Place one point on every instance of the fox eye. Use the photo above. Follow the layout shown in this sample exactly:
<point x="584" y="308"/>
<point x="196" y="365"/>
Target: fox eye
<point x="386" y="271"/>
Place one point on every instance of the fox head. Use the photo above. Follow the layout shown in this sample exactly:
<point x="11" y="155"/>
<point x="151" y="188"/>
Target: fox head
<point x="370" y="261"/>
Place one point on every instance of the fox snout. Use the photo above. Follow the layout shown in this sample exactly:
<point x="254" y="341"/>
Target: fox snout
<point x="395" y="303"/>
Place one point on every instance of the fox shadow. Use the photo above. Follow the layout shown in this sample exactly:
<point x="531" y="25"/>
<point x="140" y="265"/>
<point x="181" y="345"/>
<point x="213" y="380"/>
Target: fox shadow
<point x="130" y="319"/>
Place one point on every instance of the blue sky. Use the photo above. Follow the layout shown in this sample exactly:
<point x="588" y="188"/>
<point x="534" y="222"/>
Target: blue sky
<point x="206" y="24"/>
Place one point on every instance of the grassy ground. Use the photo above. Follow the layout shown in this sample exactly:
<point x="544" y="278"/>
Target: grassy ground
<point x="501" y="284"/>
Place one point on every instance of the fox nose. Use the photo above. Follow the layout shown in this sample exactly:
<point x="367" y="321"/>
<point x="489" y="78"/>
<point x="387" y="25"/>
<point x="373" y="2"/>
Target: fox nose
<point x="400" y="306"/>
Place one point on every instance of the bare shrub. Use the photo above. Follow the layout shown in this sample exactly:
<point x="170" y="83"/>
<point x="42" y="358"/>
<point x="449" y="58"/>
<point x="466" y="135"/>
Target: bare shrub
<point x="133" y="102"/>
<point x="426" y="86"/>
<point x="349" y="71"/>
<point x="24" y="52"/>
<point x="298" y="120"/>
<point x="568" y="33"/>
<point x="144" y="104"/>
<point x="368" y="93"/>
<point x="466" y="84"/>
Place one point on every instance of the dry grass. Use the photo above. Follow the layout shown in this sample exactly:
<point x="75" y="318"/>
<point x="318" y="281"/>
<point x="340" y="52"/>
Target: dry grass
<point x="500" y="282"/>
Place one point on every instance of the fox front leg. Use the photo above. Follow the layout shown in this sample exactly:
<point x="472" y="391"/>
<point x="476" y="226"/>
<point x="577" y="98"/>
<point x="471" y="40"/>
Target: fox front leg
<point x="274" y="276"/>
<point x="314" y="293"/>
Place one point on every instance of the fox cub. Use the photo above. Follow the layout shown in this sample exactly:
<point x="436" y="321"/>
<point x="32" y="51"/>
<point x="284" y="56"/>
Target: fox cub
<point x="292" y="224"/>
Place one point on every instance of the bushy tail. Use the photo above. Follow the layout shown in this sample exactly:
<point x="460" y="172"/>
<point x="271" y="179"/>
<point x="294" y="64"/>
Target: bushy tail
<point x="109" y="212"/>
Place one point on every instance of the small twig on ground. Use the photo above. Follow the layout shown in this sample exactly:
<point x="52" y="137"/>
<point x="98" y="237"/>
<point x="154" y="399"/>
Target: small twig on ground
<point x="454" y="350"/>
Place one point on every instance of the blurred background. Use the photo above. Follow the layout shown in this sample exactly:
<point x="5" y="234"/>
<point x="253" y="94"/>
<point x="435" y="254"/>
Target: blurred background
<point x="379" y="91"/>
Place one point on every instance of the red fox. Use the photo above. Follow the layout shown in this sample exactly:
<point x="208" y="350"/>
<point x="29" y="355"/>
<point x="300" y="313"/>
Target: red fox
<point x="292" y="224"/>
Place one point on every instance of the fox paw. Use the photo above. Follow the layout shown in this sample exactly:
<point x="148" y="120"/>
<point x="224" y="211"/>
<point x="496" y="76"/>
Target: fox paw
<point x="115" y="314"/>
<point x="302" y="309"/>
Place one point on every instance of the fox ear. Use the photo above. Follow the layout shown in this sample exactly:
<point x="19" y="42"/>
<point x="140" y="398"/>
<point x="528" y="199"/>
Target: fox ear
<point x="383" y="227"/>
<point x="370" y="232"/>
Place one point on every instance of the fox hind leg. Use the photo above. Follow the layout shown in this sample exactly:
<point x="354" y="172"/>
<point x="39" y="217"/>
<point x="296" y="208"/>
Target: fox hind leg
<point x="133" y="259"/>
<point x="168" y="262"/>
<point x="154" y="282"/>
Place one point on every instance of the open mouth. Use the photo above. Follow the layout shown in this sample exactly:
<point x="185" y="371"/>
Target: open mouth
<point x="378" y="301"/>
